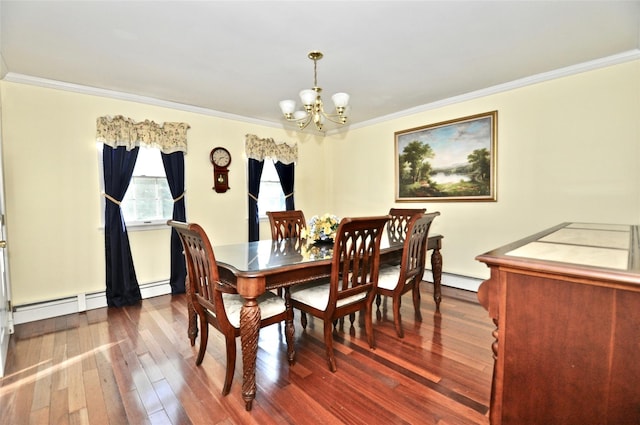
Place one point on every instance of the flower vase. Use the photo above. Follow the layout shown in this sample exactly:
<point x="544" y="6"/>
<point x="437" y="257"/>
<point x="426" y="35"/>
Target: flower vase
<point x="323" y="242"/>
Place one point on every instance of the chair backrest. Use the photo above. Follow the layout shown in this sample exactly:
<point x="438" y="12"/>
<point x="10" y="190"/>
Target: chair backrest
<point x="399" y="221"/>
<point x="356" y="258"/>
<point x="414" y="252"/>
<point x="203" y="284"/>
<point x="286" y="224"/>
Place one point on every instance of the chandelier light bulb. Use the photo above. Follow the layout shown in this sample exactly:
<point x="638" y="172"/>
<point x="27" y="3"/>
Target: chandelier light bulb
<point x="341" y="100"/>
<point x="308" y="97"/>
<point x="288" y="106"/>
<point x="299" y="115"/>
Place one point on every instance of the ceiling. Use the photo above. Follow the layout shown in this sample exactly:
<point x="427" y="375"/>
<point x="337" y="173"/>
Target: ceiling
<point x="240" y="58"/>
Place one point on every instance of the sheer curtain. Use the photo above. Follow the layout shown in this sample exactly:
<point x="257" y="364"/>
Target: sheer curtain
<point x="286" y="154"/>
<point x="121" y="137"/>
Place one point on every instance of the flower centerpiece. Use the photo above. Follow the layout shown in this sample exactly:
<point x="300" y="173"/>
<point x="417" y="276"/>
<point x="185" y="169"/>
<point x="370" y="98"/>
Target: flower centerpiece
<point x="321" y="228"/>
<point x="316" y="251"/>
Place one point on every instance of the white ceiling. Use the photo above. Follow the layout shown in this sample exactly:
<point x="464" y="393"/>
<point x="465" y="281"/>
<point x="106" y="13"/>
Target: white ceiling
<point x="243" y="57"/>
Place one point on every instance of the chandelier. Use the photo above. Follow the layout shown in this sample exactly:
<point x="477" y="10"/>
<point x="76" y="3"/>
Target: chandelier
<point x="312" y="103"/>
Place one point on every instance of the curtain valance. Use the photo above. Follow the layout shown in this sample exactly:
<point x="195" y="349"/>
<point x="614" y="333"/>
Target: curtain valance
<point x="116" y="131"/>
<point x="259" y="149"/>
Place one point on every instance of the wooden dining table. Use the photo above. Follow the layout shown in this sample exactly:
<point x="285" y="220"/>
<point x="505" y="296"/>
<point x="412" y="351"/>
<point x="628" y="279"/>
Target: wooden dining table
<point x="255" y="267"/>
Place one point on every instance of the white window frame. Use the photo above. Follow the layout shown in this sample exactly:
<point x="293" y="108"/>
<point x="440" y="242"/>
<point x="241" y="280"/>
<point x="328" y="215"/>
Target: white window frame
<point x="267" y="195"/>
<point x="133" y="225"/>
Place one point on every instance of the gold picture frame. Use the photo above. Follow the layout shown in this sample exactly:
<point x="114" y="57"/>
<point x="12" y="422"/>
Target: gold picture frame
<point x="453" y="160"/>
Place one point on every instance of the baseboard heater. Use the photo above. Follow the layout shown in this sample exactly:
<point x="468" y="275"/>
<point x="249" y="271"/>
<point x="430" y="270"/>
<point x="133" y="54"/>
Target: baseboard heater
<point x="89" y="301"/>
<point x="79" y="303"/>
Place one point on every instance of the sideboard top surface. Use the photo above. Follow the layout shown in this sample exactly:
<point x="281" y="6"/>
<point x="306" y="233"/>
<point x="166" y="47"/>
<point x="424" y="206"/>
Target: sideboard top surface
<point x="585" y="249"/>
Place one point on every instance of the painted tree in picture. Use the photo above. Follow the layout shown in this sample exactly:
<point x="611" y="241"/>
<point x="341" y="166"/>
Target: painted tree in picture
<point x="452" y="160"/>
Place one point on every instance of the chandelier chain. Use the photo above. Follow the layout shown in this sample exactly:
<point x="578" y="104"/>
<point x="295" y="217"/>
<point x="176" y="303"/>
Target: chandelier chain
<point x="315" y="73"/>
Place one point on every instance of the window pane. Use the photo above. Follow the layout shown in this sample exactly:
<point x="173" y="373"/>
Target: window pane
<point x="149" y="163"/>
<point x="148" y="197"/>
<point x="166" y="200"/>
<point x="271" y="197"/>
<point x="128" y="206"/>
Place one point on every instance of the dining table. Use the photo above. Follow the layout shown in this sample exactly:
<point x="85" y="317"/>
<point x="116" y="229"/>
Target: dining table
<point x="259" y="266"/>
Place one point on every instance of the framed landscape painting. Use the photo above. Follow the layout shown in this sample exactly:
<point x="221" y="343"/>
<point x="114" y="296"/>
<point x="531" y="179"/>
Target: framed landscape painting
<point x="449" y="161"/>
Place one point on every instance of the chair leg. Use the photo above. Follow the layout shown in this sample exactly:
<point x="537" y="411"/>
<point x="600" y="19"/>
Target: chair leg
<point x="230" y="342"/>
<point x="193" y="323"/>
<point x="204" y="338"/>
<point x="328" y="342"/>
<point x="397" y="318"/>
<point x="368" y="325"/>
<point x="416" y="300"/>
<point x="303" y="319"/>
<point x="378" y="300"/>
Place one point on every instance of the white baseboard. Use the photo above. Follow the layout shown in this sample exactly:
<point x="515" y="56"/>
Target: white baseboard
<point x="84" y="302"/>
<point x="79" y="303"/>
<point x="461" y="282"/>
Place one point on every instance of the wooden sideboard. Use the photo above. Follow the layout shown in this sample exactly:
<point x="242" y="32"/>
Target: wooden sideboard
<point x="566" y="304"/>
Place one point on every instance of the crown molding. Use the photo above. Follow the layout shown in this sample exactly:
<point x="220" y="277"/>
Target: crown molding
<point x="523" y="82"/>
<point x="623" y="57"/>
<point x="94" y="91"/>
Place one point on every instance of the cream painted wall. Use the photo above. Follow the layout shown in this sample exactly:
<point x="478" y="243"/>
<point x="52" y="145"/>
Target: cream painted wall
<point x="53" y="188"/>
<point x="567" y="150"/>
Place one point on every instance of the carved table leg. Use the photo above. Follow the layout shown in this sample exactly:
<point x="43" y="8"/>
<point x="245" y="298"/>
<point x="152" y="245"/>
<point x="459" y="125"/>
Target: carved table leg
<point x="289" y="329"/>
<point x="249" y="332"/>
<point x="436" y="268"/>
<point x="495" y="404"/>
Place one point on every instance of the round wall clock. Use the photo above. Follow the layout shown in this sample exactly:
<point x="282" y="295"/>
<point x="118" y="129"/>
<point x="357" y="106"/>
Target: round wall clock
<point x="220" y="158"/>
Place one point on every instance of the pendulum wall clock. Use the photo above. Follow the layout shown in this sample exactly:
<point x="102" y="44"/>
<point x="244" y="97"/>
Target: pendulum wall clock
<point x="220" y="158"/>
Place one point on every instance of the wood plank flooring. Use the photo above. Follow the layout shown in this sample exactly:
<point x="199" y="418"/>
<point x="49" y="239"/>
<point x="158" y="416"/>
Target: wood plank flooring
<point x="135" y="365"/>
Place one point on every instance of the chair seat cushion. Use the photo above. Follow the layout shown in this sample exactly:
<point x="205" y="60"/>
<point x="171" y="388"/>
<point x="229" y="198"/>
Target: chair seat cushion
<point x="388" y="277"/>
<point x="316" y="295"/>
<point x="270" y="305"/>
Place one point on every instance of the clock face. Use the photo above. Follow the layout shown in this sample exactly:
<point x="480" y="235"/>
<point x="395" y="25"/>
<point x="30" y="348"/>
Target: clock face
<point x="220" y="157"/>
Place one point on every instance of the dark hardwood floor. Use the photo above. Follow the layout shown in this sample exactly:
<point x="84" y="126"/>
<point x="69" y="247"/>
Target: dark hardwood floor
<point x="134" y="365"/>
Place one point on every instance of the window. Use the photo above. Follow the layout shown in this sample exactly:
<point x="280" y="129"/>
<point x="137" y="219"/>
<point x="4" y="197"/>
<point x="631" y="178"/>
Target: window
<point x="148" y="199"/>
<point x="271" y="197"/>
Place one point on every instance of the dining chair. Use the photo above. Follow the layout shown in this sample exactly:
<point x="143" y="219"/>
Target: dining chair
<point x="397" y="225"/>
<point x="286" y="224"/>
<point x="395" y="281"/>
<point x="353" y="281"/>
<point x="218" y="304"/>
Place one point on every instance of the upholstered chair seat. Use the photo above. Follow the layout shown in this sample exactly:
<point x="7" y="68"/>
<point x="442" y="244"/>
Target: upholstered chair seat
<point x="270" y="305"/>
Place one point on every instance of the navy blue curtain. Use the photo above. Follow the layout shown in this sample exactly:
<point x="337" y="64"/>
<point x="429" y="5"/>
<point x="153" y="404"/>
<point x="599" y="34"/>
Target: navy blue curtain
<point x="174" y="169"/>
<point x="286" y="173"/>
<point x="122" y="284"/>
<point x="255" y="173"/>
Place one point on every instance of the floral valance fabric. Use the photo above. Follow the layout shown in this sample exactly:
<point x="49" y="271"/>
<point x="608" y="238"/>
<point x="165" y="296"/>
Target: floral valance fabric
<point x="259" y="149"/>
<point x="117" y="131"/>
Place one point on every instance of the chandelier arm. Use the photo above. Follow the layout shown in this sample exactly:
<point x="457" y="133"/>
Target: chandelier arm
<point x="336" y="118"/>
<point x="302" y="122"/>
